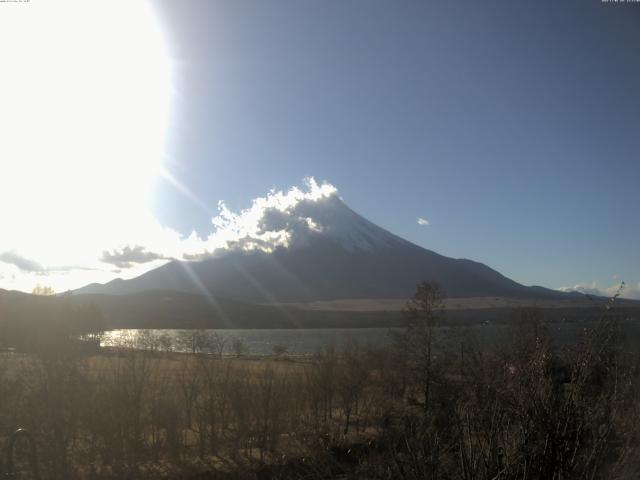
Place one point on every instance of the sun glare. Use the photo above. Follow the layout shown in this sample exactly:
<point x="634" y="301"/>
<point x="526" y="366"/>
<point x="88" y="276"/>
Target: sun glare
<point x="84" y="100"/>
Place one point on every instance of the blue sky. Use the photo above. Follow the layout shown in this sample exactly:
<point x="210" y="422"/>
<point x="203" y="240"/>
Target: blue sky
<point x="511" y="126"/>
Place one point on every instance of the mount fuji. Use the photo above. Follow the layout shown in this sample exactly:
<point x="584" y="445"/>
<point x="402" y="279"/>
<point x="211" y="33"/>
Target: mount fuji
<point x="318" y="249"/>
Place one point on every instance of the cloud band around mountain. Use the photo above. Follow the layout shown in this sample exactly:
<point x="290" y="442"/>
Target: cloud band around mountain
<point x="280" y="219"/>
<point x="629" y="291"/>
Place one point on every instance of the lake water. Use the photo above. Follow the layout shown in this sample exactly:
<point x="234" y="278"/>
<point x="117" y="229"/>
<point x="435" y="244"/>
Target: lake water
<point x="308" y="341"/>
<point x="260" y="341"/>
<point x="295" y="341"/>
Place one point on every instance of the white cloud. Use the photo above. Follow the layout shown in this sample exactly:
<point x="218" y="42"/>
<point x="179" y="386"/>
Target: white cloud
<point x="630" y="291"/>
<point x="22" y="263"/>
<point x="129" y="256"/>
<point x="279" y="219"/>
<point x="423" y="221"/>
<point x="134" y="241"/>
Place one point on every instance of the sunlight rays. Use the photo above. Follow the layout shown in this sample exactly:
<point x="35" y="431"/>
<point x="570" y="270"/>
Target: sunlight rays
<point x="85" y="104"/>
<point x="206" y="294"/>
<point x="269" y="298"/>
<point x="182" y="188"/>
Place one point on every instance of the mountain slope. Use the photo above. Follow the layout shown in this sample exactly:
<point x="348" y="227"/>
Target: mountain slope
<point x="331" y="253"/>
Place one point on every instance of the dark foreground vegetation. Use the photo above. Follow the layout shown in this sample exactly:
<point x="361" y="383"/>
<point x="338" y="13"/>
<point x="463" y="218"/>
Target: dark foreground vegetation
<point x="525" y="410"/>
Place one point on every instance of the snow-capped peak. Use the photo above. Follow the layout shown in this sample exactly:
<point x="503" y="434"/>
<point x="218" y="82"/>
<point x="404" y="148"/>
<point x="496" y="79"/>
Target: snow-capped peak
<point x="293" y="219"/>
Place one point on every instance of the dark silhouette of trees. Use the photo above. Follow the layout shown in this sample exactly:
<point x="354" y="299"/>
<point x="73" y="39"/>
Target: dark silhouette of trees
<point x="424" y="313"/>
<point x="528" y="409"/>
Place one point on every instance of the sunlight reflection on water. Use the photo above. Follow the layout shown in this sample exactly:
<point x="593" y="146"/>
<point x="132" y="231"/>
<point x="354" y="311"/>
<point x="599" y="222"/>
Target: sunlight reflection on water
<point x="258" y="341"/>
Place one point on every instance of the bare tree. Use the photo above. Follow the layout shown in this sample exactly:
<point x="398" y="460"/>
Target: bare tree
<point x="238" y="347"/>
<point x="423" y="313"/>
<point x="194" y="341"/>
<point x="353" y="375"/>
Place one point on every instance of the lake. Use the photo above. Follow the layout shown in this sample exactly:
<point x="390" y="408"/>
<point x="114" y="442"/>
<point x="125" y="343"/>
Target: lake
<point x="261" y="341"/>
<point x="308" y="341"/>
<point x="296" y="341"/>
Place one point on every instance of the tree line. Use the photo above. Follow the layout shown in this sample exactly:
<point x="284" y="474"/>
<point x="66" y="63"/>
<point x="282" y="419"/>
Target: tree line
<point x="525" y="410"/>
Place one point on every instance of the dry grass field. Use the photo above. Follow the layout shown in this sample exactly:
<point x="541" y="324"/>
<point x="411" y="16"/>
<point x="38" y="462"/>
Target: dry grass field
<point x="527" y="408"/>
<point x="466" y="303"/>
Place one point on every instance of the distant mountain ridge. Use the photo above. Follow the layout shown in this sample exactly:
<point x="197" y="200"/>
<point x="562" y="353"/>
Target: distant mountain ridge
<point x="334" y="253"/>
